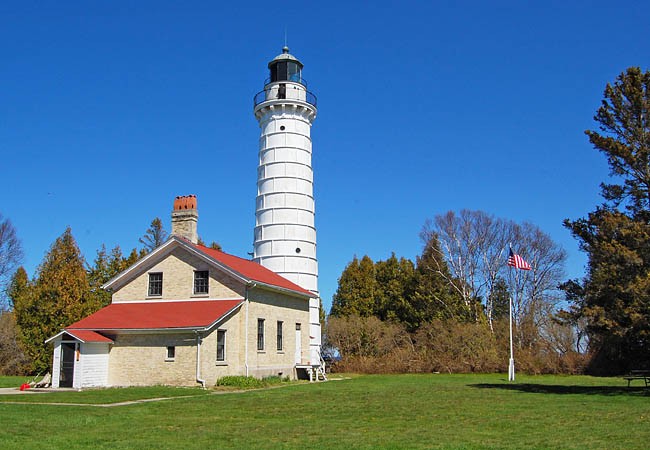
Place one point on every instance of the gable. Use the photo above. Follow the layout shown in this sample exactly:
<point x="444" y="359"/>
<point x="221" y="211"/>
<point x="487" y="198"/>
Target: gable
<point x="178" y="269"/>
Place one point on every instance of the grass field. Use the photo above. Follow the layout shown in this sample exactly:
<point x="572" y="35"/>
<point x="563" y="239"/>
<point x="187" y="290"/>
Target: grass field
<point x="398" y="411"/>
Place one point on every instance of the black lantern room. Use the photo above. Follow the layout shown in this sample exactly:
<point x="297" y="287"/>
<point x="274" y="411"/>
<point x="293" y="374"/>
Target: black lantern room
<point x="286" y="67"/>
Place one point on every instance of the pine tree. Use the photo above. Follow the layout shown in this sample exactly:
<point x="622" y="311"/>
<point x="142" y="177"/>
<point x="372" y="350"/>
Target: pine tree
<point x="59" y="296"/>
<point x="616" y="236"/>
<point x="435" y="296"/>
<point x="355" y="294"/>
<point x="500" y="299"/>
<point x="394" y="290"/>
<point x="155" y="236"/>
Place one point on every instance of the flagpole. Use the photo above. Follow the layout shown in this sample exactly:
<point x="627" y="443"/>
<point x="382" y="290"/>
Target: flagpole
<point x="517" y="262"/>
<point x="511" y="362"/>
<point x="511" y="365"/>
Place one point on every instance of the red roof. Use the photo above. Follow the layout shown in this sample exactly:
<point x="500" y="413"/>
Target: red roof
<point x="88" y="336"/>
<point x="252" y="270"/>
<point x="156" y="315"/>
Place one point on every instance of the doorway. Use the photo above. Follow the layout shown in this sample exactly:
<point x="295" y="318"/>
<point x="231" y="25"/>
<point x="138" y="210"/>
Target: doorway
<point x="68" y="350"/>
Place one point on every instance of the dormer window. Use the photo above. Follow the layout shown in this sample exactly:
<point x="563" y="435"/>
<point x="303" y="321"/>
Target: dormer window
<point x="201" y="281"/>
<point x="155" y="284"/>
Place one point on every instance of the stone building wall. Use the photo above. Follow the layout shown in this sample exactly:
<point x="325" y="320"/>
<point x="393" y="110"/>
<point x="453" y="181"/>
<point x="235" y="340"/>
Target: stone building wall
<point x="274" y="307"/>
<point x="140" y="359"/>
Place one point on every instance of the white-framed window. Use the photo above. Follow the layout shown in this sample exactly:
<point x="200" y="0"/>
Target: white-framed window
<point x="260" y="334"/>
<point x="171" y="353"/>
<point x="201" y="281"/>
<point x="221" y="346"/>
<point x="155" y="284"/>
<point x="279" y="336"/>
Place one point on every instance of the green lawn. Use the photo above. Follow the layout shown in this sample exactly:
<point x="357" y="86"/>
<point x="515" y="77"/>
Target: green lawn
<point x="14" y="381"/>
<point x="398" y="411"/>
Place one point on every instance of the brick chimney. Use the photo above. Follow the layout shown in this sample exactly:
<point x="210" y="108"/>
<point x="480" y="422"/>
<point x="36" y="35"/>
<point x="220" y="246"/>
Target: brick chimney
<point x="185" y="218"/>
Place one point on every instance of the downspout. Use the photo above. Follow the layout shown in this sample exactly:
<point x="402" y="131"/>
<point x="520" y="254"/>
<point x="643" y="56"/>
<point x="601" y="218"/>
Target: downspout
<point x="199" y="339"/>
<point x="246" y="327"/>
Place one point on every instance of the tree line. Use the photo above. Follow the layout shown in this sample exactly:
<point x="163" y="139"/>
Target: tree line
<point x="445" y="310"/>
<point x="455" y="296"/>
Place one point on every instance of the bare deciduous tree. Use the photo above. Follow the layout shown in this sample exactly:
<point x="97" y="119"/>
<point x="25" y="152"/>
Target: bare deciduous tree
<point x="11" y="254"/>
<point x="475" y="246"/>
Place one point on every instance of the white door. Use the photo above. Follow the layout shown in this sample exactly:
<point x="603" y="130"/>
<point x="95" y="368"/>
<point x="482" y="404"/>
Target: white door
<point x="298" y="345"/>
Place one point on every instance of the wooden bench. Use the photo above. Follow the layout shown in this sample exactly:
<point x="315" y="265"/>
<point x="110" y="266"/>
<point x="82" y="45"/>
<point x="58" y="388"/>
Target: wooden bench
<point x="638" y="375"/>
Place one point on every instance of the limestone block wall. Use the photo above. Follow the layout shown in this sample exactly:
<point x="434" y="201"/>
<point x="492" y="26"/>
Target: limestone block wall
<point x="274" y="307"/>
<point x="178" y="281"/>
<point x="234" y="364"/>
<point x="140" y="360"/>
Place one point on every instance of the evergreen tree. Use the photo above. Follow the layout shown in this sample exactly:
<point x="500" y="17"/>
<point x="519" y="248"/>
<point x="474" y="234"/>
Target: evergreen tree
<point x="616" y="236"/>
<point x="435" y="296"/>
<point x="19" y="287"/>
<point x="214" y="245"/>
<point x="155" y="236"/>
<point x="394" y="289"/>
<point x="355" y="294"/>
<point x="59" y="296"/>
<point x="106" y="266"/>
<point x="500" y="299"/>
<point x="27" y="317"/>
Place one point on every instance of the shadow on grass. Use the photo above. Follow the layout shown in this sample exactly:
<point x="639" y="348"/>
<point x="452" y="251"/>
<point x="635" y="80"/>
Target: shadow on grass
<point x="561" y="389"/>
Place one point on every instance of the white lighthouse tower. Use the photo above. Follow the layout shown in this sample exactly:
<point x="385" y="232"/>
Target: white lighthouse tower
<point x="285" y="235"/>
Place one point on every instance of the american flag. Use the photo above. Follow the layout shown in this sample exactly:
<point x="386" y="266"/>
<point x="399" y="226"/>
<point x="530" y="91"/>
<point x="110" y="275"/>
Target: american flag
<point x="518" y="262"/>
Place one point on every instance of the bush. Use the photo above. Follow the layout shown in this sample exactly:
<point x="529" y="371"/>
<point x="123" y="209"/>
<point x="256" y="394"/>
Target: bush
<point x="455" y="347"/>
<point x="368" y="345"/>
<point x="242" y="382"/>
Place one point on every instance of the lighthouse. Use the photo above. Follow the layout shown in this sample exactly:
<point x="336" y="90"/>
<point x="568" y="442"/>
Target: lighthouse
<point x="285" y="234"/>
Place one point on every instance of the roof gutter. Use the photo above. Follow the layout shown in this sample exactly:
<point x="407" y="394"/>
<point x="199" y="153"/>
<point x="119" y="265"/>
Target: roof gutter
<point x="272" y="287"/>
<point x="199" y="339"/>
<point x="246" y="299"/>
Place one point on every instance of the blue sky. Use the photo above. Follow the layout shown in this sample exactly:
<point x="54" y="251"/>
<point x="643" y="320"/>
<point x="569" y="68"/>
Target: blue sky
<point x="108" y="110"/>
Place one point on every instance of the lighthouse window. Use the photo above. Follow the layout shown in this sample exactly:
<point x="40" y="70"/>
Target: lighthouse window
<point x="297" y="249"/>
<point x="279" y="72"/>
<point x="293" y="72"/>
<point x="282" y="127"/>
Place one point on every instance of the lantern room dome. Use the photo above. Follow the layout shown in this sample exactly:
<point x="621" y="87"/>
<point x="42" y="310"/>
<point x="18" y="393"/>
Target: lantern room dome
<point x="285" y="56"/>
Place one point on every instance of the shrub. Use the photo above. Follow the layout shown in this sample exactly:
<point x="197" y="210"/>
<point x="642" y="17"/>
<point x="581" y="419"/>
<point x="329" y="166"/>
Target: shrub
<point x="241" y="382"/>
<point x="368" y="345"/>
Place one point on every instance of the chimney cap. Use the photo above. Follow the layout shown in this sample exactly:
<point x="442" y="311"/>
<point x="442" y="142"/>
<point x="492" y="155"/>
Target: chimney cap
<point x="182" y="202"/>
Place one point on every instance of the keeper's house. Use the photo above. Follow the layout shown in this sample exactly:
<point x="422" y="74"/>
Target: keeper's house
<point x="186" y="314"/>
